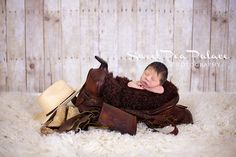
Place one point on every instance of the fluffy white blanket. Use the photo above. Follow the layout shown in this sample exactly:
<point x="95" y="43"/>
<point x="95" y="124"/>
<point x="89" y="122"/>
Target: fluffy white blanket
<point x="212" y="135"/>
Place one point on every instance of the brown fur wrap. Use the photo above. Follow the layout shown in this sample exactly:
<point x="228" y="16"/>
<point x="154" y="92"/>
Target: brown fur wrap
<point x="116" y="92"/>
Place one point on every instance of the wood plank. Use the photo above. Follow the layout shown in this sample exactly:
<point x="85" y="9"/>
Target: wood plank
<point x="52" y="42"/>
<point x="200" y="44"/>
<point x="88" y="36"/>
<point x="231" y="76"/>
<point x="127" y="18"/>
<point x="146" y="35"/>
<point x="38" y="48"/>
<point x="108" y="33"/>
<point x="165" y="34"/>
<point x="34" y="45"/>
<point x="219" y="37"/>
<point x="182" y="42"/>
<point x="70" y="42"/>
<point x="16" y="45"/>
<point x="3" y="48"/>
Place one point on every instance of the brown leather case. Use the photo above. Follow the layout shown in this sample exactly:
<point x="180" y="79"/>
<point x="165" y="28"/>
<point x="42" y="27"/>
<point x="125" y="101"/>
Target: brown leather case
<point x="116" y="119"/>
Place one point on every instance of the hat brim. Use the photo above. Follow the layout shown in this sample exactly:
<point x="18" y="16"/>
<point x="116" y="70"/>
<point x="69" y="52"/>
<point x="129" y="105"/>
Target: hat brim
<point x="43" y="117"/>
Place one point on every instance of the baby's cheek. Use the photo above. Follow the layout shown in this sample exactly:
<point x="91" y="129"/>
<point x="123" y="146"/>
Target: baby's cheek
<point x="141" y="79"/>
<point x="155" y="84"/>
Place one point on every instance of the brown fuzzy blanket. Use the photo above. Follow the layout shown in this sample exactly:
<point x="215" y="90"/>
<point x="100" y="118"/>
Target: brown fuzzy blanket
<point x="117" y="93"/>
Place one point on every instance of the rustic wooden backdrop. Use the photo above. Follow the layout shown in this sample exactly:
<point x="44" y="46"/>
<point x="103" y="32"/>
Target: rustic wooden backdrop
<point x="42" y="41"/>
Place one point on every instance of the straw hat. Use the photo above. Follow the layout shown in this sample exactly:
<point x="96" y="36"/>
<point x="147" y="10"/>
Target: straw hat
<point x="59" y="93"/>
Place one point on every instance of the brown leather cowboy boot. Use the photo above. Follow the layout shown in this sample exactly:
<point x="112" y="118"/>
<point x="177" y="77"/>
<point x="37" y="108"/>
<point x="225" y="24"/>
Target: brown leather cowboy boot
<point x="89" y="97"/>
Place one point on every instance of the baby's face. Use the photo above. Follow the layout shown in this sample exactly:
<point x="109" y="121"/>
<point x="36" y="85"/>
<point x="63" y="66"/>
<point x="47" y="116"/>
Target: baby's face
<point x="150" y="78"/>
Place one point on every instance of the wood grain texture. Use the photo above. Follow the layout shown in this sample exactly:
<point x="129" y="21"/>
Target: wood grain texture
<point x="200" y="43"/>
<point x="108" y="20"/>
<point x="146" y="35"/>
<point x="89" y="36"/>
<point x="165" y="33"/>
<point x="182" y="42"/>
<point x="34" y="45"/>
<point x="52" y="42"/>
<point x="219" y="40"/>
<point x="42" y="41"/>
<point x="16" y="63"/>
<point x="70" y="21"/>
<point x="3" y="47"/>
<point x="127" y="38"/>
<point x="231" y="68"/>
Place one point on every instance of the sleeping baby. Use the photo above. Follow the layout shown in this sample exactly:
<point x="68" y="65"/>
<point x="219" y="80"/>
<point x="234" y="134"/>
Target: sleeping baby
<point x="152" y="79"/>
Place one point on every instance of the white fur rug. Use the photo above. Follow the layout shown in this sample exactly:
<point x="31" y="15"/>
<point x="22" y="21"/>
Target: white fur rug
<point x="212" y="135"/>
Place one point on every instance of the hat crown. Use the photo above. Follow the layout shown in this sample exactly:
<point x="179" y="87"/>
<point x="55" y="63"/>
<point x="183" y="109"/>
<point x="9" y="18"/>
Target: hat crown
<point x="54" y="95"/>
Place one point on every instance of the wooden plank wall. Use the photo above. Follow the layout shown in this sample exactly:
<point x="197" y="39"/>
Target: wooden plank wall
<point x="42" y="41"/>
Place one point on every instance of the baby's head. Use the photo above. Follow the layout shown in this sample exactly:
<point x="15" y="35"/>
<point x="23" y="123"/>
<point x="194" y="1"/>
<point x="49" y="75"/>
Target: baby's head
<point x="155" y="74"/>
